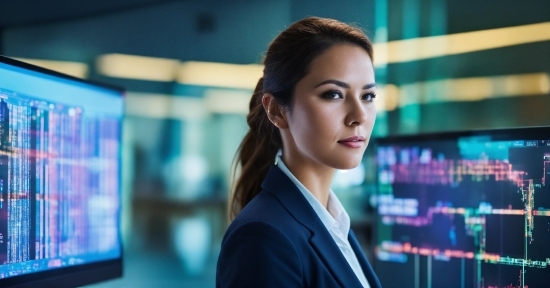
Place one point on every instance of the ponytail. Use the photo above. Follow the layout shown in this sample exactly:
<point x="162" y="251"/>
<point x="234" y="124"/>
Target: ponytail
<point x="255" y="154"/>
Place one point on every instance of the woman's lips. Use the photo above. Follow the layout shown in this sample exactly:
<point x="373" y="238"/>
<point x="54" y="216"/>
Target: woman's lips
<point x="353" y="142"/>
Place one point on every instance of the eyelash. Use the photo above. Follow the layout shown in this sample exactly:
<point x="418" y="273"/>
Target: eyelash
<point x="329" y="94"/>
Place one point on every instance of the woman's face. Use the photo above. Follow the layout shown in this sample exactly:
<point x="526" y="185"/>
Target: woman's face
<point x="332" y="114"/>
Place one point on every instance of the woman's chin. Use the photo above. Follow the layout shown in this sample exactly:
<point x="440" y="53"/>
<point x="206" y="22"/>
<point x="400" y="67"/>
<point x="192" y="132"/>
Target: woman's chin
<point x="347" y="165"/>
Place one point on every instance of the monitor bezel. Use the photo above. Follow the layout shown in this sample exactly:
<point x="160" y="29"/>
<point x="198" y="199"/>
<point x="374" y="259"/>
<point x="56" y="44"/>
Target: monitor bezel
<point x="25" y="65"/>
<point x="83" y="274"/>
<point x="531" y="133"/>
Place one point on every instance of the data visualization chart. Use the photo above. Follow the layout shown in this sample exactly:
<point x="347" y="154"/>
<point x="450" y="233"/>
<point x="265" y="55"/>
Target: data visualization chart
<point x="59" y="180"/>
<point x="458" y="210"/>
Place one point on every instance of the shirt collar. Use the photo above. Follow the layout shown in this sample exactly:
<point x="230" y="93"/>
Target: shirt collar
<point x="334" y="215"/>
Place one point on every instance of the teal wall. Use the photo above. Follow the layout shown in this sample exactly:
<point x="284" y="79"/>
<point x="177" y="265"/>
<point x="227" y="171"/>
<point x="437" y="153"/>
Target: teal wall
<point x="242" y="32"/>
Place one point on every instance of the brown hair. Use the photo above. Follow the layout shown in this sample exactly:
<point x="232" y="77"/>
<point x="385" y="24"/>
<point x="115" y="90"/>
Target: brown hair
<point x="286" y="62"/>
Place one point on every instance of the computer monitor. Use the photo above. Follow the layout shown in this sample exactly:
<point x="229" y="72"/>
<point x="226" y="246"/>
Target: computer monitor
<point x="467" y="209"/>
<point x="60" y="170"/>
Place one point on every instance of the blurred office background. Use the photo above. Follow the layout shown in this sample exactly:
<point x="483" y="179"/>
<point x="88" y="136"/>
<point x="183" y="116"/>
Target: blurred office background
<point x="189" y="67"/>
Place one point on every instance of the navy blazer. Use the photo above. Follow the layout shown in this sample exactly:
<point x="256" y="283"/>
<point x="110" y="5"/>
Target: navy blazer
<point x="279" y="241"/>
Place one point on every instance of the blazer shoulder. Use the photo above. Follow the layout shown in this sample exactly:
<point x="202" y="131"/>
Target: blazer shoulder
<point x="256" y="229"/>
<point x="265" y="207"/>
<point x="257" y="253"/>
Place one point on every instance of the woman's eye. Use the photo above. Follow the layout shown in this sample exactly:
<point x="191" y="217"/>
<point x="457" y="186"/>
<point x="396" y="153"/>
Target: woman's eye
<point x="332" y="95"/>
<point x="369" y="96"/>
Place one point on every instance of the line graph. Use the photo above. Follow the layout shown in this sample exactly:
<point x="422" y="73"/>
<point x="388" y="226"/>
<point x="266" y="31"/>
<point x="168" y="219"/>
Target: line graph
<point x="463" y="208"/>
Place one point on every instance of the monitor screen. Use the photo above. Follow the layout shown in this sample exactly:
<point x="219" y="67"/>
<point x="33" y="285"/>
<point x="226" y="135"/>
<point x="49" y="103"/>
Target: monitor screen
<point x="60" y="141"/>
<point x="467" y="209"/>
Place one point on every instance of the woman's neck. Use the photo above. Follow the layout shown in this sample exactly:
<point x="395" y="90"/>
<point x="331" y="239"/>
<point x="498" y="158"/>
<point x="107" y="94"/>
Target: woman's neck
<point x="315" y="177"/>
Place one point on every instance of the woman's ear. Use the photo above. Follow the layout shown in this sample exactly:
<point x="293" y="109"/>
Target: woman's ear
<point x="274" y="111"/>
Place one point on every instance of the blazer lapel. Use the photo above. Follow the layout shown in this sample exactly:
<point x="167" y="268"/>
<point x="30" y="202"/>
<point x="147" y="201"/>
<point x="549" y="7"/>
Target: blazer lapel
<point x="367" y="268"/>
<point x="280" y="186"/>
<point x="333" y="258"/>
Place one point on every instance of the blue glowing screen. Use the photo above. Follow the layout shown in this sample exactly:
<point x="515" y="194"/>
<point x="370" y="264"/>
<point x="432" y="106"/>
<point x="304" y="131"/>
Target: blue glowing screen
<point x="464" y="211"/>
<point x="59" y="171"/>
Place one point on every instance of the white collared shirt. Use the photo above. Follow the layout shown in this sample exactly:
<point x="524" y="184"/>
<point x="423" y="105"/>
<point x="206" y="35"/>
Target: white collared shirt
<point x="335" y="218"/>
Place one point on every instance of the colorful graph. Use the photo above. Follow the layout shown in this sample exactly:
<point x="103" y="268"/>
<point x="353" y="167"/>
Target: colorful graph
<point x="473" y="206"/>
<point x="59" y="185"/>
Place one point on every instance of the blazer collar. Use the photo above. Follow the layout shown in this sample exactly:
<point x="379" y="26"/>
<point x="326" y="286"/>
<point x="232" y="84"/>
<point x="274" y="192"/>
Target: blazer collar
<point x="280" y="186"/>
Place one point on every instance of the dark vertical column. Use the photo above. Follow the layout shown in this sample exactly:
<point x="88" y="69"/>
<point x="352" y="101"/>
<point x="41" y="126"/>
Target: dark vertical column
<point x="4" y="150"/>
<point x="1" y="41"/>
<point x="32" y="175"/>
<point x="410" y="114"/>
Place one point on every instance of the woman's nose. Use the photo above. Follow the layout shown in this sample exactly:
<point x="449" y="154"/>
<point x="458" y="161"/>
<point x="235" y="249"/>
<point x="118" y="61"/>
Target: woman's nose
<point x="358" y="113"/>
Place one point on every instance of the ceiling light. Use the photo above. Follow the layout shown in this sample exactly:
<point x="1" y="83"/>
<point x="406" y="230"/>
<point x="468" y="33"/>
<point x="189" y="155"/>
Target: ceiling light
<point x="137" y="67"/>
<point x="220" y="74"/>
<point x="436" y="46"/>
<point x="75" y="69"/>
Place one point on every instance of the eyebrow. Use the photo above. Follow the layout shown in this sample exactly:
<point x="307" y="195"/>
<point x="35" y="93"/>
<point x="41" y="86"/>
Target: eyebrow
<point x="343" y="84"/>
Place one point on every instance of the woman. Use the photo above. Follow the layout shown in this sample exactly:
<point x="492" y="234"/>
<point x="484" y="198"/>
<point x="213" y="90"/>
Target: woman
<point x="310" y="114"/>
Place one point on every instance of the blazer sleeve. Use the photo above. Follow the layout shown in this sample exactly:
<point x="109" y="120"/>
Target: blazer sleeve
<point x="257" y="254"/>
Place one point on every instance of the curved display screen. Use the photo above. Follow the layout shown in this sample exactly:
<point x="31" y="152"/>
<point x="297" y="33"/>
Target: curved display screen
<point x="60" y="141"/>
